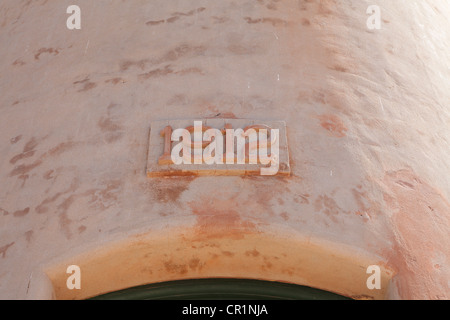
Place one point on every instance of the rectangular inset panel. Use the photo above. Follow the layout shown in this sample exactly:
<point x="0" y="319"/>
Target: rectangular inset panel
<point x="271" y="148"/>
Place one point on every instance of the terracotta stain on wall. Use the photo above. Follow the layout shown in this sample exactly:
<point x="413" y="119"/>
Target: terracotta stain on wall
<point x="175" y="17"/>
<point x="218" y="219"/>
<point x="21" y="213"/>
<point x="421" y="216"/>
<point x="333" y="124"/>
<point x="4" y="249"/>
<point x="46" y="50"/>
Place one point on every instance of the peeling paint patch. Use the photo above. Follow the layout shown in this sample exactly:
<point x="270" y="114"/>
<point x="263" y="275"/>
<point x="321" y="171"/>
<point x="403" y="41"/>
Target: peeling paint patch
<point x="5" y="248"/>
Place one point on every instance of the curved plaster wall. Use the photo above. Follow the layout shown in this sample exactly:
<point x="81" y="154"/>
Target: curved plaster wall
<point x="367" y="114"/>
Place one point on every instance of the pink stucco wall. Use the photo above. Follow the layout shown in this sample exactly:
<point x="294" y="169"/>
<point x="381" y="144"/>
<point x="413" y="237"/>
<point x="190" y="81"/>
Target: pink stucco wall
<point x="367" y="114"/>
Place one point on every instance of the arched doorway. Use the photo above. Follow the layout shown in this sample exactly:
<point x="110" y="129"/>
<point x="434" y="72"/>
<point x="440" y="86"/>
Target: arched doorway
<point x="276" y="257"/>
<point x="221" y="289"/>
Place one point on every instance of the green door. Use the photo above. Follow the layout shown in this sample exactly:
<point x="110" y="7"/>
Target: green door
<point x="221" y="289"/>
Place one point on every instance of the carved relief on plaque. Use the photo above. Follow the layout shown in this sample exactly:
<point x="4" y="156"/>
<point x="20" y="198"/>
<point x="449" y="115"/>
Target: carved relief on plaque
<point x="217" y="147"/>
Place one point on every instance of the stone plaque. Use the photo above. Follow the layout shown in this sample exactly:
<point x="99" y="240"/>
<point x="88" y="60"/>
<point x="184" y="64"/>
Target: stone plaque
<point x="217" y="147"/>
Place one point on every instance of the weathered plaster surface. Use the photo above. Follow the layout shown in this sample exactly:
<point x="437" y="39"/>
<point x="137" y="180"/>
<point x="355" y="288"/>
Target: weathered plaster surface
<point x="367" y="118"/>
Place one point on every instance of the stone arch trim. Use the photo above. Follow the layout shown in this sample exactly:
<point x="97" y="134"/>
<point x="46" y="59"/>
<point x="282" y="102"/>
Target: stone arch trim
<point x="275" y="255"/>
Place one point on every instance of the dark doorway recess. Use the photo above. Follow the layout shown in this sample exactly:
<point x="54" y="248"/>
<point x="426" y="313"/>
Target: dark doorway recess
<point x="221" y="289"/>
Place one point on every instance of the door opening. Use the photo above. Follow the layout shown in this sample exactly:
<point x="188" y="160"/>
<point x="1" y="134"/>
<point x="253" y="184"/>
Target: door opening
<point x="221" y="289"/>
